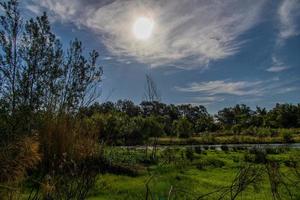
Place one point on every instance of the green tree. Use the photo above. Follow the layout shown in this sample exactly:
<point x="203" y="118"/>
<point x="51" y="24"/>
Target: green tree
<point x="183" y="127"/>
<point x="283" y="116"/>
<point x="37" y="75"/>
<point x="10" y="28"/>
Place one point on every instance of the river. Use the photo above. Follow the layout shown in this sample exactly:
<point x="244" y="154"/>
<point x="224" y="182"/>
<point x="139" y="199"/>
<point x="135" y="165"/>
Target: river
<point x="218" y="146"/>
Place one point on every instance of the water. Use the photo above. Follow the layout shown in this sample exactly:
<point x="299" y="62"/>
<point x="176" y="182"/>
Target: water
<point x="218" y="146"/>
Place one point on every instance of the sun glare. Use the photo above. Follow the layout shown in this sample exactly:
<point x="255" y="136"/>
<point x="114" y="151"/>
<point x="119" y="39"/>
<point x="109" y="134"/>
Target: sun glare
<point x="142" y="28"/>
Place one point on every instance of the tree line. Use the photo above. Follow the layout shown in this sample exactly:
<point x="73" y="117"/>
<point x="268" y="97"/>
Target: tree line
<point x="125" y="122"/>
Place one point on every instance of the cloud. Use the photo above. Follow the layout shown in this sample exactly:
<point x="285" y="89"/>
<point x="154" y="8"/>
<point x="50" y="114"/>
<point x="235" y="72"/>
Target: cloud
<point x="287" y="90"/>
<point x="210" y="92"/>
<point x="206" y="100"/>
<point x="34" y="8"/>
<point x="276" y="69"/>
<point x="189" y="33"/>
<point x="107" y="58"/>
<point x="239" y="88"/>
<point x="289" y="14"/>
<point x="277" y="66"/>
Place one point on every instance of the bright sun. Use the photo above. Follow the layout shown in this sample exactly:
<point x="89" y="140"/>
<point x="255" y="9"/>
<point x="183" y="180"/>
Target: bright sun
<point x="142" y="28"/>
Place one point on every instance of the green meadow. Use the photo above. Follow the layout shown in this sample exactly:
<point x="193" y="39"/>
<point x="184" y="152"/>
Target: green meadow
<point x="194" y="174"/>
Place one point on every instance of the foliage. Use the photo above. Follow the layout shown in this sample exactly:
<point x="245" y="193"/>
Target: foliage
<point x="187" y="120"/>
<point x="15" y="160"/>
<point x="183" y="128"/>
<point x="287" y="135"/>
<point x="43" y="86"/>
<point x="37" y="74"/>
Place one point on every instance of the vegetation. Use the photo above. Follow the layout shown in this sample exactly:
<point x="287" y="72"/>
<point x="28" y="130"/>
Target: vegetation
<point x="211" y="174"/>
<point x="239" y="124"/>
<point x="57" y="142"/>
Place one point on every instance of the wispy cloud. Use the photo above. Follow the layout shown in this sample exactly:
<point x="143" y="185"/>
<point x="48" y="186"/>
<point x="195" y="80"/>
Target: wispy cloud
<point x="107" y="58"/>
<point x="238" y="88"/>
<point x="289" y="14"/>
<point x="287" y="89"/>
<point x="216" y="91"/>
<point x="207" y="100"/>
<point x="34" y="8"/>
<point x="276" y="69"/>
<point x="197" y="32"/>
<point x="277" y="65"/>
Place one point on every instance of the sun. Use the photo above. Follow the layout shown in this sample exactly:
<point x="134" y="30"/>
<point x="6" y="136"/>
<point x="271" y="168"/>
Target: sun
<point x="143" y="28"/>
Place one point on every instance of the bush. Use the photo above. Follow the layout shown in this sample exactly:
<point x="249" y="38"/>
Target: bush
<point x="266" y="132"/>
<point x="212" y="148"/>
<point x="189" y="154"/>
<point x="15" y="159"/>
<point x="209" y="138"/>
<point x="224" y="148"/>
<point x="236" y="129"/>
<point x="198" y="150"/>
<point x="256" y="155"/>
<point x="209" y="162"/>
<point x="287" y="136"/>
<point x="201" y="165"/>
<point x="250" y="131"/>
<point x="291" y="163"/>
<point x="206" y="147"/>
<point x="183" y="127"/>
<point x="71" y="157"/>
<point x="191" y="141"/>
<point x="216" y="162"/>
<point x="276" y="150"/>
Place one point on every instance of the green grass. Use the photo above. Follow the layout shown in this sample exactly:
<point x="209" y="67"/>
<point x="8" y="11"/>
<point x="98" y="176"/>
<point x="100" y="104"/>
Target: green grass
<point x="186" y="180"/>
<point x="227" y="139"/>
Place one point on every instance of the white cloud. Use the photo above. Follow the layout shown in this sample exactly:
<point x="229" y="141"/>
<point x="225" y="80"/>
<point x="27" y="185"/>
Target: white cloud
<point x="245" y="91"/>
<point x="207" y="100"/>
<point x="277" y="66"/>
<point x="34" y="8"/>
<point x="287" y="89"/>
<point x="197" y="32"/>
<point x="107" y="58"/>
<point x="288" y="12"/>
<point x="239" y="88"/>
<point x="276" y="69"/>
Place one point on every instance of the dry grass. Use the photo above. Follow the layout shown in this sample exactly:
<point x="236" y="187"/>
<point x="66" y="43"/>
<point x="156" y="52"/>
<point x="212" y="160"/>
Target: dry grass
<point x="15" y="159"/>
<point x="71" y="150"/>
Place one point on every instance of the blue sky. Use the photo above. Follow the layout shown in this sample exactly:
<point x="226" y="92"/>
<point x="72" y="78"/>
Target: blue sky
<point x="214" y="53"/>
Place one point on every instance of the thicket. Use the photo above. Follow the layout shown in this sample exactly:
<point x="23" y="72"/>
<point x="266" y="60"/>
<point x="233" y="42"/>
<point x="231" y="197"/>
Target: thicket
<point x="43" y="85"/>
<point x="135" y="124"/>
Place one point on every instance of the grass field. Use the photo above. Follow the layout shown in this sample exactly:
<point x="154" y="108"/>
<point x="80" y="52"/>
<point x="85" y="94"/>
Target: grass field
<point x="263" y="135"/>
<point x="189" y="175"/>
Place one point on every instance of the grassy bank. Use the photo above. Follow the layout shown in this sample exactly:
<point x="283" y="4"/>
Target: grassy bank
<point x="190" y="174"/>
<point x="238" y="139"/>
<point x="264" y="136"/>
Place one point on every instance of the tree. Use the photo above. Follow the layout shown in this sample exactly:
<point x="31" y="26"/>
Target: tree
<point x="10" y="27"/>
<point x="36" y="75"/>
<point x="283" y="116"/>
<point x="42" y="89"/>
<point x="205" y="123"/>
<point x="240" y="115"/>
<point x="183" y="127"/>
<point x="128" y="107"/>
<point x="153" y="108"/>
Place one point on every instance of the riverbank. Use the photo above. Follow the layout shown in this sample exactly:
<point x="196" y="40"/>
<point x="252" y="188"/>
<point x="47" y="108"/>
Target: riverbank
<point x="210" y="139"/>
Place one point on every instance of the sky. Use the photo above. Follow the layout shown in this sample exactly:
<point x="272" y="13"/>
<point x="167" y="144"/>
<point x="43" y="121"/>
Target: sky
<point x="212" y="53"/>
